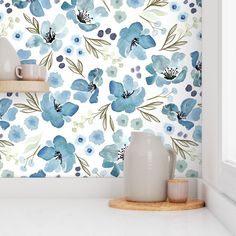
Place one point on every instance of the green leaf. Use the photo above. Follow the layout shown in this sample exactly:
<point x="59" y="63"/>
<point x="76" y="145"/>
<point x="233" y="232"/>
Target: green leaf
<point x="112" y="124"/>
<point x="47" y="61"/>
<point x="75" y="68"/>
<point x="152" y="15"/>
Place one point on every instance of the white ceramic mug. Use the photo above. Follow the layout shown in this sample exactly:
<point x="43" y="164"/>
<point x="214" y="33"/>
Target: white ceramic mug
<point x="178" y="190"/>
<point x="31" y="72"/>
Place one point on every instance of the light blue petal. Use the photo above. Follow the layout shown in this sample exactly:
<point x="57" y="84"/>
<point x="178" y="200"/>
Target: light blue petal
<point x="107" y="164"/>
<point x="146" y="41"/>
<point x="47" y="153"/>
<point x="23" y="54"/>
<point x="94" y="97"/>
<point x="52" y="165"/>
<point x="109" y="153"/>
<point x="116" y="88"/>
<point x="4" y="125"/>
<point x="82" y="96"/>
<point x="176" y="58"/>
<point x="71" y="15"/>
<point x="66" y="6"/>
<point x="80" y="84"/>
<point x="161" y="81"/>
<point x="45" y="27"/>
<point x="62" y="34"/>
<point x="187" y="124"/>
<point x="59" y="23"/>
<point x="44" y="48"/>
<point x="36" y="8"/>
<point x="56" y="45"/>
<point x="115" y="171"/>
<point x="62" y="97"/>
<point x="99" y="12"/>
<point x="194" y="56"/>
<point x="11" y="114"/>
<point x="197" y="134"/>
<point x="5" y="103"/>
<point x="138" y="52"/>
<point x="69" y="109"/>
<point x="195" y="114"/>
<point x="151" y="79"/>
<point x="160" y="63"/>
<point x="88" y="27"/>
<point x="187" y="105"/>
<point x="181" y="76"/>
<point x="20" y="4"/>
<point x="34" y="41"/>
<point x="45" y="4"/>
<point x="86" y="5"/>
<point x="128" y="83"/>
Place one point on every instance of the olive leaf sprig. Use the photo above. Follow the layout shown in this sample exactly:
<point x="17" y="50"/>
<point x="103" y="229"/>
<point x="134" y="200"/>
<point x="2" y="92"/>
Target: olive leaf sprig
<point x="34" y="29"/>
<point x="182" y="146"/>
<point x="156" y="3"/>
<point x="32" y="104"/>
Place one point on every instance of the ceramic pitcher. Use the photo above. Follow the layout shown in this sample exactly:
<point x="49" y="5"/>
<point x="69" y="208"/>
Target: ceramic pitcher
<point x="8" y="60"/>
<point x="147" y="167"/>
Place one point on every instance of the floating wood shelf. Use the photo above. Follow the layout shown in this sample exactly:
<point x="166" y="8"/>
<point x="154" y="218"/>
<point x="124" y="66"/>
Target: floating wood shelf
<point x="155" y="206"/>
<point x="23" y="86"/>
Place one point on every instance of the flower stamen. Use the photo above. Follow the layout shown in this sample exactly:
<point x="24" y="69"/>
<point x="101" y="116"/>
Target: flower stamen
<point x="50" y="36"/>
<point x="170" y="73"/>
<point x="84" y="17"/>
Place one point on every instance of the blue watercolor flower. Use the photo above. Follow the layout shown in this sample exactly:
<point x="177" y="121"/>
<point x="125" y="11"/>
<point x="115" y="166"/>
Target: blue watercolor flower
<point x="76" y="39"/>
<point x="89" y="150"/>
<point x="183" y="17"/>
<point x="55" y="80"/>
<point x="113" y="155"/>
<point x="39" y="174"/>
<point x="88" y="90"/>
<point x="197" y="68"/>
<point x="185" y="115"/>
<point x="135" y="3"/>
<point x="120" y="16"/>
<point x="81" y="52"/>
<point x="35" y="6"/>
<point x="97" y="137"/>
<point x="133" y="41"/>
<point x="122" y="120"/>
<point x="191" y="174"/>
<point x="80" y="140"/>
<point x="197" y="134"/>
<point x="116" y="3"/>
<point x="165" y="71"/>
<point x="32" y="122"/>
<point x="69" y="50"/>
<point x="60" y="156"/>
<point x="6" y="113"/>
<point x="174" y="6"/>
<point x="51" y="35"/>
<point x="83" y="13"/>
<point x="137" y="124"/>
<point x="126" y="96"/>
<point x="1" y="16"/>
<point x="169" y="128"/>
<point x="16" y="134"/>
<point x="181" y="165"/>
<point x="7" y="174"/>
<point x="56" y="108"/>
<point x="17" y="35"/>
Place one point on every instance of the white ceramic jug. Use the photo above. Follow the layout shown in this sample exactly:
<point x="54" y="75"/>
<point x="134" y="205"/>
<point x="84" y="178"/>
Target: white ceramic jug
<point x="147" y="168"/>
<point x="8" y="60"/>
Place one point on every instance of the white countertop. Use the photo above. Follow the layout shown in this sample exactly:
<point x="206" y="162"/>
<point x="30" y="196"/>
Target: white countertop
<point x="93" y="217"/>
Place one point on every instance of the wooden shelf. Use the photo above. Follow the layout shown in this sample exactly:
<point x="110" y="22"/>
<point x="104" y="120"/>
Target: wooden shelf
<point x="23" y="86"/>
<point x="155" y="206"/>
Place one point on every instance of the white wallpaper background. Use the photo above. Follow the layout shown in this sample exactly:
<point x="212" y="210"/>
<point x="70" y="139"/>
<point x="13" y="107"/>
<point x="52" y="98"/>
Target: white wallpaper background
<point x="115" y="66"/>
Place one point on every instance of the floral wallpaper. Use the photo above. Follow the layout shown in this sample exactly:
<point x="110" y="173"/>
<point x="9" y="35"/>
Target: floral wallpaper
<point x="114" y="66"/>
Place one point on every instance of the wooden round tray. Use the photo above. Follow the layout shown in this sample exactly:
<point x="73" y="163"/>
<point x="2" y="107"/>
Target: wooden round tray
<point x="121" y="203"/>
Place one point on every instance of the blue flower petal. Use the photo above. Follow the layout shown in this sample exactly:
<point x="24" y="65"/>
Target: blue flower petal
<point x="116" y="88"/>
<point x="187" y="124"/>
<point x="36" y="8"/>
<point x="45" y="4"/>
<point x="94" y="97"/>
<point x="115" y="171"/>
<point x="88" y="27"/>
<point x="80" y="84"/>
<point x="69" y="109"/>
<point x="47" y="153"/>
<point x="146" y="41"/>
<point x="82" y="96"/>
<point x="187" y="105"/>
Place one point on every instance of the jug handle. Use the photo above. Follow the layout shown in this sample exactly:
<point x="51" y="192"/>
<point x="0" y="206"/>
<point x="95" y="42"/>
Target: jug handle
<point x="172" y="164"/>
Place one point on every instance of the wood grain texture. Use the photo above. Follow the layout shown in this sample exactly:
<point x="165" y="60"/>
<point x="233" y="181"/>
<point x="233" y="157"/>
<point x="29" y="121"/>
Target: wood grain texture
<point x="23" y="86"/>
<point x="121" y="203"/>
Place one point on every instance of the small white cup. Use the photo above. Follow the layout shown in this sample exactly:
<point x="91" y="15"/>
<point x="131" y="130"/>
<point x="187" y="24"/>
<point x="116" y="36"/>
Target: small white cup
<point x="178" y="190"/>
<point x="31" y="72"/>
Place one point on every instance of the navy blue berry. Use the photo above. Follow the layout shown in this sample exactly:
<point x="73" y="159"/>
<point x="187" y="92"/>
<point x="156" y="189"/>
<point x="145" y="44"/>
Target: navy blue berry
<point x="188" y="88"/>
<point x="9" y="10"/>
<point x="108" y="31"/>
<point x="7" y="5"/>
<point x="77" y="168"/>
<point x="100" y="33"/>
<point x="191" y="4"/>
<point x="193" y="10"/>
<point x="113" y="36"/>
<point x="61" y="65"/>
<point x="60" y="58"/>
<point x="193" y="93"/>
